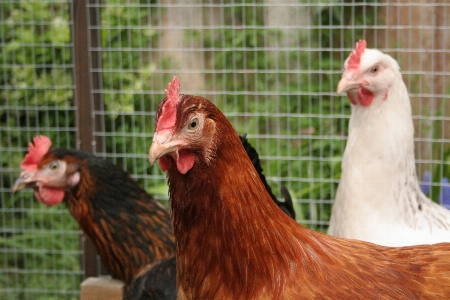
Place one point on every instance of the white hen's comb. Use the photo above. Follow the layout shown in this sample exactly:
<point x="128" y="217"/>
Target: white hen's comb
<point x="355" y="57"/>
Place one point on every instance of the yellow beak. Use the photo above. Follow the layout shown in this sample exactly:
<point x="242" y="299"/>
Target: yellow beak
<point x="163" y="144"/>
<point x="347" y="83"/>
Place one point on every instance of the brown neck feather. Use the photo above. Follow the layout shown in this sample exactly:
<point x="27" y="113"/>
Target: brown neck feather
<point x="228" y="229"/>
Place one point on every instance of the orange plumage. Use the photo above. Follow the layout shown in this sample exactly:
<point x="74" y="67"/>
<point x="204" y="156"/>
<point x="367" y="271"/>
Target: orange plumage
<point x="233" y="242"/>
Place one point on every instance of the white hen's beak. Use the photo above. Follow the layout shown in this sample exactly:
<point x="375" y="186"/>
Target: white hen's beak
<point x="347" y="82"/>
<point x="163" y="143"/>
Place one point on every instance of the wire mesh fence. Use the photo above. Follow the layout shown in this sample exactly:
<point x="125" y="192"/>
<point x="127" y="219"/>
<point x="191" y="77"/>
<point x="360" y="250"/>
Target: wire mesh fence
<point x="270" y="66"/>
<point x="39" y="246"/>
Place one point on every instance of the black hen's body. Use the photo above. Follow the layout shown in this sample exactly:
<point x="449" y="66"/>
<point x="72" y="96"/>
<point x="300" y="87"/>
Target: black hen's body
<point x="156" y="282"/>
<point x="287" y="205"/>
<point x="129" y="228"/>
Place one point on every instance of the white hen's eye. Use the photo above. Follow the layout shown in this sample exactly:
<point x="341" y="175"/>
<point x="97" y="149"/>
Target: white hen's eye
<point x="193" y="124"/>
<point x="54" y="165"/>
<point x="374" y="69"/>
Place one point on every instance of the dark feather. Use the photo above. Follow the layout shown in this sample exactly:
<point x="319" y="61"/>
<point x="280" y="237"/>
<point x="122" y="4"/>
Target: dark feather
<point x="129" y="228"/>
<point x="287" y="206"/>
<point x="156" y="282"/>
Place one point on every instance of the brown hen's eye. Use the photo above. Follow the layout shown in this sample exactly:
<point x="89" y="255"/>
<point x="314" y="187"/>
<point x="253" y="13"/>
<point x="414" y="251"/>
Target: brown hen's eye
<point x="193" y="124"/>
<point x="374" y="69"/>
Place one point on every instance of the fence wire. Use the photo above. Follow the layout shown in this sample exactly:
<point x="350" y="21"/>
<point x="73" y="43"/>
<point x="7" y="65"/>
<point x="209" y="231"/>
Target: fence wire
<point x="39" y="247"/>
<point x="271" y="66"/>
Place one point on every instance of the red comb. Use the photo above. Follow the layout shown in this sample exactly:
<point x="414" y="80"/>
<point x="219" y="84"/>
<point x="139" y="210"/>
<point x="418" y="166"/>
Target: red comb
<point x="169" y="109"/>
<point x="173" y="90"/>
<point x="355" y="56"/>
<point x="36" y="150"/>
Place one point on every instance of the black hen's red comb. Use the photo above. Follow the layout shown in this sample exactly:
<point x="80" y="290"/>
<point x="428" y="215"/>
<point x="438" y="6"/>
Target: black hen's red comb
<point x="36" y="150"/>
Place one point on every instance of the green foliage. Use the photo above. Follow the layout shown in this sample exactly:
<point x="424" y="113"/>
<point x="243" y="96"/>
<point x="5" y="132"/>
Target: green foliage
<point x="42" y="257"/>
<point x="127" y="37"/>
<point x="40" y="250"/>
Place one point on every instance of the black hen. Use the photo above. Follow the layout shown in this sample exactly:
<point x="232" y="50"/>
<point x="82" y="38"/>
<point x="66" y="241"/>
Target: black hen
<point x="130" y="229"/>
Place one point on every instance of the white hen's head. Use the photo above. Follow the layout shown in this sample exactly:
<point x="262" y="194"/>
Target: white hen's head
<point x="368" y="75"/>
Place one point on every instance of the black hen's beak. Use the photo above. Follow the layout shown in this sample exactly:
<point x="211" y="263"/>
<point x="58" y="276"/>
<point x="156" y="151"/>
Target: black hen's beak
<point x="26" y="179"/>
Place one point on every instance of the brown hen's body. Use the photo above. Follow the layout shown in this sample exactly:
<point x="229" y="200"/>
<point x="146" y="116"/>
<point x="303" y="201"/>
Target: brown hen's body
<point x="233" y="242"/>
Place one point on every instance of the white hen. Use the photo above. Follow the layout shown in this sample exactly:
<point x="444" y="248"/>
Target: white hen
<point x="379" y="197"/>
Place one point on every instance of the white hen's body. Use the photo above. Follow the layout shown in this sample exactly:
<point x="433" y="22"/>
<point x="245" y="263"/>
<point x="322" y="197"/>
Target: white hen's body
<point x="379" y="199"/>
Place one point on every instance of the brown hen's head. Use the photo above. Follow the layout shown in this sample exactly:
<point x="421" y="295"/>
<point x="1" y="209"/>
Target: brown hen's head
<point x="185" y="131"/>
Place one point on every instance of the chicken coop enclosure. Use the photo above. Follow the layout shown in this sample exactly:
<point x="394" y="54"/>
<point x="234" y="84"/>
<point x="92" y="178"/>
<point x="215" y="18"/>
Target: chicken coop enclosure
<point x="90" y="74"/>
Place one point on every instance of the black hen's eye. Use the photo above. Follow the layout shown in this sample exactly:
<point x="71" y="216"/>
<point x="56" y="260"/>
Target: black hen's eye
<point x="54" y="165"/>
<point x="193" y="125"/>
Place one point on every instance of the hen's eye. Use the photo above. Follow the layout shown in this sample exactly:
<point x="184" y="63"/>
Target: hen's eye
<point x="374" y="69"/>
<point x="54" y="165"/>
<point x="193" y="125"/>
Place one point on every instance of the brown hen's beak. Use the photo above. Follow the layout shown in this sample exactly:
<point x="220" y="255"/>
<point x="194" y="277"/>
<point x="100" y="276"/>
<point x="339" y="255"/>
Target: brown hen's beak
<point x="163" y="144"/>
<point x="25" y="180"/>
<point x="347" y="83"/>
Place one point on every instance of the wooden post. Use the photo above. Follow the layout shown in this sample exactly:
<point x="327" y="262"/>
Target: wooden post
<point x="87" y="102"/>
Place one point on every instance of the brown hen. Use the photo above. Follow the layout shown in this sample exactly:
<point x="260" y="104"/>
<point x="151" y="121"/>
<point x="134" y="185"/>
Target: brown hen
<point x="234" y="243"/>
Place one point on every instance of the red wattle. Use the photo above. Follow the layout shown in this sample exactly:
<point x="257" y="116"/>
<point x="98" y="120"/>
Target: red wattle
<point x="365" y="97"/>
<point x="49" y="196"/>
<point x="185" y="161"/>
